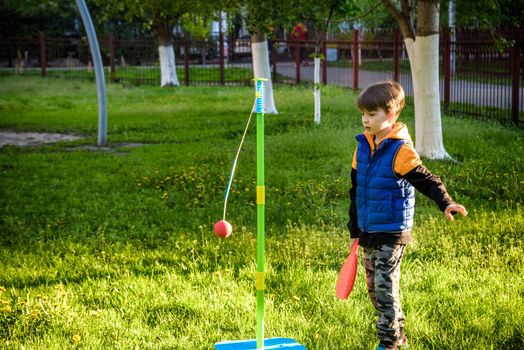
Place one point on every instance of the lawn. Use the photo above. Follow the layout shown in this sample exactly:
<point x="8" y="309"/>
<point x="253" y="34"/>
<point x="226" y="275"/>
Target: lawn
<point x="113" y="248"/>
<point x="148" y="75"/>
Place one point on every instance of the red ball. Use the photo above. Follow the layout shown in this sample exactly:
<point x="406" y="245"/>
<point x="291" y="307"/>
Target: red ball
<point x="223" y="229"/>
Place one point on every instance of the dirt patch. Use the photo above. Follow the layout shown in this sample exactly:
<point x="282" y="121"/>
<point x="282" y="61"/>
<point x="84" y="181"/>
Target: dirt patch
<point x="33" y="138"/>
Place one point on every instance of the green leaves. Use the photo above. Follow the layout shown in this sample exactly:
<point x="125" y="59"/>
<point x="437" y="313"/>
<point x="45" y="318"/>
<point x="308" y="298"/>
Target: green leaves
<point x="156" y="13"/>
<point x="198" y="27"/>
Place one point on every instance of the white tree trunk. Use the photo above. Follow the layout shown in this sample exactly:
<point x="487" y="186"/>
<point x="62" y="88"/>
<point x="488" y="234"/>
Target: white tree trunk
<point x="451" y="24"/>
<point x="316" y="91"/>
<point x="167" y="66"/>
<point x="423" y="58"/>
<point x="261" y="69"/>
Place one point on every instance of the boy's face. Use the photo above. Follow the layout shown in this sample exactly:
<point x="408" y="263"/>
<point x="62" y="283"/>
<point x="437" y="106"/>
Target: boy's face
<point x="378" y="121"/>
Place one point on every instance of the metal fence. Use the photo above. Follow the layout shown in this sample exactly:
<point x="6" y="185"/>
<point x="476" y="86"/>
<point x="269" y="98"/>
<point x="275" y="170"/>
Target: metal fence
<point x="479" y="76"/>
<point x="211" y="61"/>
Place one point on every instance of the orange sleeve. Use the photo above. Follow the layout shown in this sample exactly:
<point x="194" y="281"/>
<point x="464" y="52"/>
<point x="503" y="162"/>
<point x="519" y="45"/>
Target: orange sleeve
<point x="406" y="160"/>
<point x="354" y="163"/>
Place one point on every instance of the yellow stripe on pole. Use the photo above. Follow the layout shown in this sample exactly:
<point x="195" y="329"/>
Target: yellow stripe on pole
<point x="261" y="281"/>
<point x="261" y="194"/>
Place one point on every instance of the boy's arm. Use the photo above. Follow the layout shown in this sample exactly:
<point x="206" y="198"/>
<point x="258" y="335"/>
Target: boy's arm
<point x="353" y="218"/>
<point x="429" y="185"/>
<point x="409" y="166"/>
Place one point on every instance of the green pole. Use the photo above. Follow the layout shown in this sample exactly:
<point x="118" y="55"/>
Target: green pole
<point x="261" y="202"/>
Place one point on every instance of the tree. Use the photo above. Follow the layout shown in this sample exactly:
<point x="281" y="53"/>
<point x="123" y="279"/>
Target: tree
<point x="422" y="46"/>
<point x="422" y="43"/>
<point x="160" y="16"/>
<point x="262" y="17"/>
<point x="486" y="14"/>
<point x="321" y="17"/>
<point x="380" y="17"/>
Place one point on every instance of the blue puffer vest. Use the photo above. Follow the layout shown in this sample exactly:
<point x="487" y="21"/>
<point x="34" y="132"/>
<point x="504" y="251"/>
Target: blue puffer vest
<point x="385" y="203"/>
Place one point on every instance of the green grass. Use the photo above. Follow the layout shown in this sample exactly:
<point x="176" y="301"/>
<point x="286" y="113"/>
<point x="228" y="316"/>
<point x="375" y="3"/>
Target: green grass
<point x="132" y="75"/>
<point x="113" y="248"/>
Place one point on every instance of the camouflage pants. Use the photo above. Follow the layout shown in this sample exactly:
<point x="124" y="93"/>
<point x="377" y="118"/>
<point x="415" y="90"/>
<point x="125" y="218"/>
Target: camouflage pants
<point x="382" y="266"/>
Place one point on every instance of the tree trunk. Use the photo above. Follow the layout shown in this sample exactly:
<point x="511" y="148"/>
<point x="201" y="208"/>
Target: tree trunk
<point x="424" y="69"/>
<point x="423" y="53"/>
<point x="167" y="56"/>
<point x="453" y="38"/>
<point x="261" y="68"/>
<point x="316" y="91"/>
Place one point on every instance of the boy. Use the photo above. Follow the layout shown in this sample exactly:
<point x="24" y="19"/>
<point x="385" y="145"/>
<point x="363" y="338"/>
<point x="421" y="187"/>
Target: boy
<point x="385" y="171"/>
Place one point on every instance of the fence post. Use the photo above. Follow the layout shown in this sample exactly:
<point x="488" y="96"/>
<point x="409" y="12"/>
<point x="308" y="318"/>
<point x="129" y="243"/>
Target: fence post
<point x="515" y="77"/>
<point x="396" y="43"/>
<point x="112" y="57"/>
<point x="297" y="61"/>
<point x="221" y="48"/>
<point x="446" y="58"/>
<point x="186" y="59"/>
<point x="324" y="62"/>
<point x="355" y="60"/>
<point x="43" y="62"/>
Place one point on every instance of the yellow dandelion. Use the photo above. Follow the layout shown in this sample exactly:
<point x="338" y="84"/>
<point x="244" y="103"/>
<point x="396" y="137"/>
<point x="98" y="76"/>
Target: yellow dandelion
<point x="34" y="314"/>
<point x="2" y="289"/>
<point x="6" y="309"/>
<point x="76" y="338"/>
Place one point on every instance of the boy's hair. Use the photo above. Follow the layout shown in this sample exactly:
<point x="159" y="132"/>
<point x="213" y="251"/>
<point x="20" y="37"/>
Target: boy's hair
<point x="387" y="95"/>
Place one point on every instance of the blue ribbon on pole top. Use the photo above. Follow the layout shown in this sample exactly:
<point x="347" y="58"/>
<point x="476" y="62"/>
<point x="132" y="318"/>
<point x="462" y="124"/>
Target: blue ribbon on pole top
<point x="260" y="95"/>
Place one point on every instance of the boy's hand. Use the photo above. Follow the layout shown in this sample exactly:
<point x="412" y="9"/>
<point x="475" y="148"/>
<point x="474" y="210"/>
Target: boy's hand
<point x="453" y="209"/>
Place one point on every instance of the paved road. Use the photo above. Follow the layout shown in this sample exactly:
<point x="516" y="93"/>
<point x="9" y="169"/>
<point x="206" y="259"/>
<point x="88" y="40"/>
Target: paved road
<point x="480" y="94"/>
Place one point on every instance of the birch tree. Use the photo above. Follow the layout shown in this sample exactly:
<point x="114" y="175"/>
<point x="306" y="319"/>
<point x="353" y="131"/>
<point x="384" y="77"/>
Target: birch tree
<point x="262" y="68"/>
<point x="160" y="16"/>
<point x="262" y="17"/>
<point x="422" y="45"/>
<point x="319" y="16"/>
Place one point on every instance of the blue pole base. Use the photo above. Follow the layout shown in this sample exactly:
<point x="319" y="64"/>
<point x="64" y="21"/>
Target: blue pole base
<point x="269" y="344"/>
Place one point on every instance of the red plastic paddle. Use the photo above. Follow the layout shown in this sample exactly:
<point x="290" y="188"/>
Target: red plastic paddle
<point x="348" y="273"/>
